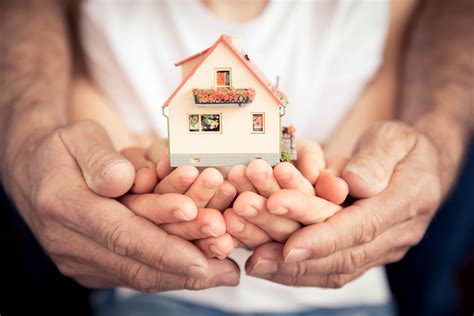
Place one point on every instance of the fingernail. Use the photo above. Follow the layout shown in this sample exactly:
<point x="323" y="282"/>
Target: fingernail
<point x="365" y="174"/>
<point x="178" y="214"/>
<point x="228" y="279"/>
<point x="297" y="255"/>
<point x="141" y="170"/>
<point x="264" y="266"/>
<point x="250" y="212"/>
<point x="196" y="272"/>
<point x="236" y="227"/>
<point x="206" y="230"/>
<point x="103" y="172"/>
<point x="217" y="252"/>
<point x="280" y="211"/>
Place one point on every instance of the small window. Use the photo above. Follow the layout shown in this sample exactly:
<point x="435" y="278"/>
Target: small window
<point x="258" y="123"/>
<point x="223" y="78"/>
<point x="210" y="122"/>
<point x="204" y="123"/>
<point x="193" y="120"/>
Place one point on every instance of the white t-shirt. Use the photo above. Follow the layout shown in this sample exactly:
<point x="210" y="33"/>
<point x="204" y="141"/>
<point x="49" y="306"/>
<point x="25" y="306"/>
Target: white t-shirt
<point x="324" y="53"/>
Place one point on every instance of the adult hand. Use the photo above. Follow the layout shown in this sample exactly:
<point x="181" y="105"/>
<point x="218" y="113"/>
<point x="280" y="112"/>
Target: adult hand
<point x="94" y="239"/>
<point x="395" y="172"/>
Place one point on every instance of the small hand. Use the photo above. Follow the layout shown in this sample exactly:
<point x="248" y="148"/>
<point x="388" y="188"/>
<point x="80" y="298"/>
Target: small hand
<point x="204" y="226"/>
<point x="251" y="221"/>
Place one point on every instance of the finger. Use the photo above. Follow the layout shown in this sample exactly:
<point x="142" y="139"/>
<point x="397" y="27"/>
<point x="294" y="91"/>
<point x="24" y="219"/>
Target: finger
<point x="392" y="243"/>
<point x="260" y="174"/>
<point x="290" y="178"/>
<point x="205" y="186"/>
<point x="145" y="173"/>
<point x="252" y="207"/>
<point x="91" y="262"/>
<point x="266" y="263"/>
<point x="120" y="230"/>
<point x="224" y="196"/>
<point x="105" y="171"/>
<point x="245" y="232"/>
<point x="331" y="188"/>
<point x="208" y="223"/>
<point x="216" y="247"/>
<point x="157" y="151"/>
<point x="178" y="181"/>
<point x="310" y="159"/>
<point x="377" y="154"/>
<point x="357" y="224"/>
<point x="301" y="207"/>
<point x="237" y="177"/>
<point x="160" y="209"/>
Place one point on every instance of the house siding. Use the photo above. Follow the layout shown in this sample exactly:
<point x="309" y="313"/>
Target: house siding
<point x="224" y="160"/>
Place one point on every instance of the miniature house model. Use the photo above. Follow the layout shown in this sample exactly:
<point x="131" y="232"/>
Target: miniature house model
<point x="224" y="112"/>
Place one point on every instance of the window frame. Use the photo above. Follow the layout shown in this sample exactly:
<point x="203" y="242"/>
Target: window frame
<point x="215" y="77"/>
<point x="200" y="131"/>
<point x="263" y="123"/>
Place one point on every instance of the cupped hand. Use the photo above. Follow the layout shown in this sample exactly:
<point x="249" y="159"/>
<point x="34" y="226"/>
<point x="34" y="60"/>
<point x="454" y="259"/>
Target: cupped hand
<point x="275" y="203"/>
<point x="61" y="183"/>
<point x="394" y="172"/>
<point x="204" y="193"/>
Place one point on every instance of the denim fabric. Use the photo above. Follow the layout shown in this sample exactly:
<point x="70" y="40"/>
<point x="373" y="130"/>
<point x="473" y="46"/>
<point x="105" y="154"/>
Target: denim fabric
<point x="425" y="281"/>
<point x="105" y="304"/>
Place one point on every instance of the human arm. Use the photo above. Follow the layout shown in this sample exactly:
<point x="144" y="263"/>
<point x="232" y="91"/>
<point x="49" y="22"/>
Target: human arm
<point x="49" y="168"/>
<point x="401" y="173"/>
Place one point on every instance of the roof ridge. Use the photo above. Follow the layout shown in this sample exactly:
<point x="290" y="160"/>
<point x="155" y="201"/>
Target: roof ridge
<point x="244" y="59"/>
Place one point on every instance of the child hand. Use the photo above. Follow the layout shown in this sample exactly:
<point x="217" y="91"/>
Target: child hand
<point x="255" y="219"/>
<point x="206" y="226"/>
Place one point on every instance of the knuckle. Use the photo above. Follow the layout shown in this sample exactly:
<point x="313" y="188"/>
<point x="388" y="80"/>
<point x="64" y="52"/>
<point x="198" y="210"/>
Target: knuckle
<point x="66" y="269"/>
<point x="91" y="283"/>
<point x="351" y="260"/>
<point x="415" y="235"/>
<point x="53" y="244"/>
<point x="297" y="270"/>
<point x="336" y="281"/>
<point x="193" y="284"/>
<point x="132" y="274"/>
<point x="431" y="197"/>
<point x="46" y="200"/>
<point x="399" y="255"/>
<point x="371" y="229"/>
<point x="119" y="239"/>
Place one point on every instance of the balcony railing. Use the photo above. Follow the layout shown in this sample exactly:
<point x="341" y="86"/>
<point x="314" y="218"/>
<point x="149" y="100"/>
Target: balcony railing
<point x="223" y="96"/>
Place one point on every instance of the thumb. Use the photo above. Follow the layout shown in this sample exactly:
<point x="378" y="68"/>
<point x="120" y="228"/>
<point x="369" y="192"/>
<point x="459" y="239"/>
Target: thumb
<point x="105" y="171"/>
<point x="377" y="154"/>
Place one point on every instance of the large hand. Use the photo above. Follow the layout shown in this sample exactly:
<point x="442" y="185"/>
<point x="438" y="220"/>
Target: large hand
<point x="97" y="240"/>
<point x="395" y="172"/>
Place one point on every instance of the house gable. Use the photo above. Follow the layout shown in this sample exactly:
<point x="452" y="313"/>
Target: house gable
<point x="203" y="55"/>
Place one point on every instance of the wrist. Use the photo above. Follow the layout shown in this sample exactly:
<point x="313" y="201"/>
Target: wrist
<point x="450" y="136"/>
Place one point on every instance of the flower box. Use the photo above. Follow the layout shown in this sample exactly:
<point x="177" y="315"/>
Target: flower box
<point x="223" y="96"/>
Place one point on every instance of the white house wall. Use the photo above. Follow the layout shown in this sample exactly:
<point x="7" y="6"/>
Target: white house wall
<point x="236" y="122"/>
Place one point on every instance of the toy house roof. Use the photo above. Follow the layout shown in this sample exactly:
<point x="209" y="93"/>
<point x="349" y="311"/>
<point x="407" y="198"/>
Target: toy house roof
<point x="274" y="92"/>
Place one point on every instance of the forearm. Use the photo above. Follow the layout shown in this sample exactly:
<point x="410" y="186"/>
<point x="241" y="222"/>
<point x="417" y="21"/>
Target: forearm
<point x="436" y="90"/>
<point x="34" y="73"/>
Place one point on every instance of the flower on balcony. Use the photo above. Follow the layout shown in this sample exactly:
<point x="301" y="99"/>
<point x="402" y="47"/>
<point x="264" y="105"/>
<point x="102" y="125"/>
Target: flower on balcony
<point x="224" y="96"/>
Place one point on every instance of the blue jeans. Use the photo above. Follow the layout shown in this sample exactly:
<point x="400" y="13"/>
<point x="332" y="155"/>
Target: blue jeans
<point x="106" y="304"/>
